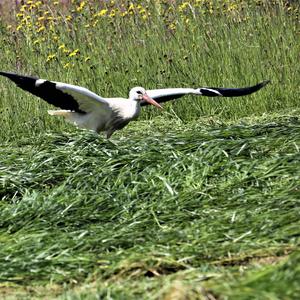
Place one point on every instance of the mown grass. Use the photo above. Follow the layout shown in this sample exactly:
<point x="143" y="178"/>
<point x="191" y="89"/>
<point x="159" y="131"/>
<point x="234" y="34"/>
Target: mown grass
<point x="200" y="201"/>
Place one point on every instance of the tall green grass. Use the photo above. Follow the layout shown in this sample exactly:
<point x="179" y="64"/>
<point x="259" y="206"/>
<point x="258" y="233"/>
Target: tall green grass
<point x="210" y="50"/>
<point x="198" y="201"/>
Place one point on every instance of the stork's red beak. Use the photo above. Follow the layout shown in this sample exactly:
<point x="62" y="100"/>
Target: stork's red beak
<point x="151" y="101"/>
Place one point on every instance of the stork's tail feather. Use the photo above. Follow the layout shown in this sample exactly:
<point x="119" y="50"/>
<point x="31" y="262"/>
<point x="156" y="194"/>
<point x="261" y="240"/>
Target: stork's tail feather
<point x="64" y="113"/>
<point x="232" y="92"/>
<point x="80" y="120"/>
<point x="69" y="116"/>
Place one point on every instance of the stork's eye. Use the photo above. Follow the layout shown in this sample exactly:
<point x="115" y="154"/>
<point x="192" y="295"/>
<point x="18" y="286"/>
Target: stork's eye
<point x="139" y="92"/>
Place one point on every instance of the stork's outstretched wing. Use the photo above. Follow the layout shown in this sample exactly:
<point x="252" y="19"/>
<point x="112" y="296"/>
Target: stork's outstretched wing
<point x="66" y="96"/>
<point x="163" y="95"/>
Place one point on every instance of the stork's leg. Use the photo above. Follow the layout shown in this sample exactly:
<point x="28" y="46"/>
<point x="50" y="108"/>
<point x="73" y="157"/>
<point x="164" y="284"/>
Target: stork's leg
<point x="109" y="133"/>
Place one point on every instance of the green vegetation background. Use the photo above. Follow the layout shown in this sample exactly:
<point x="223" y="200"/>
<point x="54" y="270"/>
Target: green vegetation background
<point x="200" y="201"/>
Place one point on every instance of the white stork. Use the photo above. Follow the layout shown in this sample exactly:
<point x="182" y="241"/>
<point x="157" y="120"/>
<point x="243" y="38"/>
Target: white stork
<point x="91" y="111"/>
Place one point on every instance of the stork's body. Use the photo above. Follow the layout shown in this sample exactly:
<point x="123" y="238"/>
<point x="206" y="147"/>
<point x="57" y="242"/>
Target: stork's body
<point x="91" y="111"/>
<point x="121" y="111"/>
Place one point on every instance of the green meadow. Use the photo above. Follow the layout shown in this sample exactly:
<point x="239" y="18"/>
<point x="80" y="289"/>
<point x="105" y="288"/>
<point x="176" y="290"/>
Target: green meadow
<point x="196" y="201"/>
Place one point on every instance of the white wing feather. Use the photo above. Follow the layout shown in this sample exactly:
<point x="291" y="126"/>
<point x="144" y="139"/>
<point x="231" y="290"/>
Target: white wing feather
<point x="158" y="93"/>
<point x="88" y="101"/>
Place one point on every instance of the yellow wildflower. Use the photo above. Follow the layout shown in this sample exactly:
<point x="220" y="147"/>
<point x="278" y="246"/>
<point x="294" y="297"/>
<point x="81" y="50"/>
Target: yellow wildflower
<point x="67" y="65"/>
<point x="32" y="6"/>
<point x="81" y="6"/>
<point x="68" y="18"/>
<point x="73" y="53"/>
<point x="50" y="57"/>
<point x="232" y="7"/>
<point x="19" y="27"/>
<point x="62" y="46"/>
<point x="112" y="13"/>
<point x="172" y="26"/>
<point x="87" y="59"/>
<point x="40" y="29"/>
<point x="183" y="6"/>
<point x="102" y="12"/>
<point x="23" y="8"/>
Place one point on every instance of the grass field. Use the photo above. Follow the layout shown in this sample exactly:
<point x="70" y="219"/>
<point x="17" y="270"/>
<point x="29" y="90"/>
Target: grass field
<point x="198" y="201"/>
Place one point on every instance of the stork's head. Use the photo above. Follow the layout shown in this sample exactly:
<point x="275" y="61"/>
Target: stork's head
<point x="139" y="94"/>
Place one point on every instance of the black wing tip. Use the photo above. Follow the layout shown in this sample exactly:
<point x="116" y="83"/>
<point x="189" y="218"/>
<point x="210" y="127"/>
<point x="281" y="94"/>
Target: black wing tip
<point x="237" y="92"/>
<point x="263" y="83"/>
<point x="258" y="86"/>
<point x="12" y="75"/>
<point x="266" y="82"/>
<point x="45" y="90"/>
<point x="8" y="74"/>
